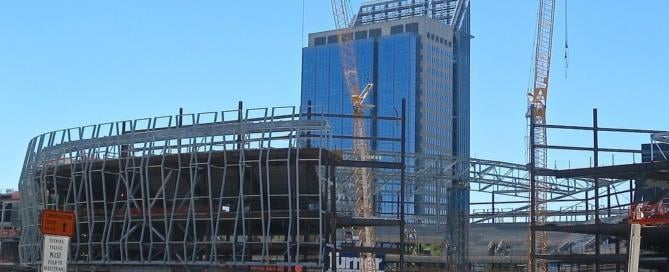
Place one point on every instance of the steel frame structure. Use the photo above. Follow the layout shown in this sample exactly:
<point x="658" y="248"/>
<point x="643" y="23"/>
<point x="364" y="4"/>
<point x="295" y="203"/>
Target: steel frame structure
<point x="509" y="182"/>
<point x="65" y="169"/>
<point x="598" y="202"/>
<point x="504" y="188"/>
<point x="223" y="189"/>
<point x="10" y="228"/>
<point x="657" y="140"/>
<point x="501" y="191"/>
<point x="219" y="189"/>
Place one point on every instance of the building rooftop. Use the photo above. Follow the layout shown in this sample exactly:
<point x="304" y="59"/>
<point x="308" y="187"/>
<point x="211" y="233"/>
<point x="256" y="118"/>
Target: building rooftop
<point x="449" y="12"/>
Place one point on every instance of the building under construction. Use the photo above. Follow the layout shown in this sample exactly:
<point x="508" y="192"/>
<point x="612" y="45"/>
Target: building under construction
<point x="233" y="189"/>
<point x="248" y="189"/>
<point x="10" y="228"/>
<point x="278" y="189"/>
<point x="626" y="191"/>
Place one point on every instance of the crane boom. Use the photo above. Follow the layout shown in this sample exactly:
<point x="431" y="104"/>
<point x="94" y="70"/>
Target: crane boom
<point x="341" y="14"/>
<point x="362" y="176"/>
<point x="537" y="115"/>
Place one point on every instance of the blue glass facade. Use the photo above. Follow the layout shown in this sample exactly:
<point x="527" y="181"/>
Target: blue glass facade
<point x="396" y="80"/>
<point x="323" y="84"/>
<point x="458" y="197"/>
<point x="388" y="62"/>
<point x="420" y="59"/>
<point x="461" y="93"/>
<point x="391" y="64"/>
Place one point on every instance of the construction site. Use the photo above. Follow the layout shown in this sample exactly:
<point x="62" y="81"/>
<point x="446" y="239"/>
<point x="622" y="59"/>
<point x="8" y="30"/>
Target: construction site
<point x="371" y="172"/>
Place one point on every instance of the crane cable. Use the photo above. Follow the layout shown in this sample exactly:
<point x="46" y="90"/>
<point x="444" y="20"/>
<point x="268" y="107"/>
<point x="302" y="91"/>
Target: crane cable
<point x="566" y="39"/>
<point x="302" y="30"/>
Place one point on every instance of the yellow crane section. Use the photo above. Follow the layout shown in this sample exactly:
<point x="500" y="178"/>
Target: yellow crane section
<point x="537" y="115"/>
<point x="363" y="180"/>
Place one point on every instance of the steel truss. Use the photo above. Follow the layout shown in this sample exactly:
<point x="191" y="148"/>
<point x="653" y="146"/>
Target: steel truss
<point x="501" y="190"/>
<point x="504" y="194"/>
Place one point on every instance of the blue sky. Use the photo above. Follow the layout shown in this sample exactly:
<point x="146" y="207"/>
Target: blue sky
<point x="70" y="63"/>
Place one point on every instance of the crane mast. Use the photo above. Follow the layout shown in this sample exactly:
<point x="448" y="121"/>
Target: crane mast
<point x="362" y="176"/>
<point x="537" y="115"/>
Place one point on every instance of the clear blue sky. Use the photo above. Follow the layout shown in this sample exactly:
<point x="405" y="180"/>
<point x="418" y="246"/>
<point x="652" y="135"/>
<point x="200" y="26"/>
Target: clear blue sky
<point x="70" y="63"/>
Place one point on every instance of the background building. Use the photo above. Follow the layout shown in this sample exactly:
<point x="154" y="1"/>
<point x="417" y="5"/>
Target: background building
<point x="416" y="50"/>
<point x="10" y="227"/>
<point x="408" y="50"/>
<point x="413" y="50"/>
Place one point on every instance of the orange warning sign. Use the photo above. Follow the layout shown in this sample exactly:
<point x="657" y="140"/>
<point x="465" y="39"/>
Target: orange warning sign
<point x="58" y="223"/>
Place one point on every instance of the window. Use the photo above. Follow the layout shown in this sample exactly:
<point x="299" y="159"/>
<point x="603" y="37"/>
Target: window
<point x="333" y="39"/>
<point x="375" y="32"/>
<point x="396" y="29"/>
<point x="413" y="27"/>
<point x="8" y="214"/>
<point x="319" y="41"/>
<point x="359" y="35"/>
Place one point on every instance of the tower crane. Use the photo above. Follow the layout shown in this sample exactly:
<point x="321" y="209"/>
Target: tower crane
<point x="537" y="116"/>
<point x="362" y="177"/>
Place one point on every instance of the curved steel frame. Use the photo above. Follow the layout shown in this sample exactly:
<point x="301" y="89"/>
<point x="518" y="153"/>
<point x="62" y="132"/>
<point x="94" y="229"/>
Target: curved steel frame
<point x="171" y="190"/>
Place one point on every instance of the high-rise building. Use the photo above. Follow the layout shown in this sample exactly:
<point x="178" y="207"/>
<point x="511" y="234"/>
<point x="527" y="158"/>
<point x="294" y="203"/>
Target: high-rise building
<point x="416" y="50"/>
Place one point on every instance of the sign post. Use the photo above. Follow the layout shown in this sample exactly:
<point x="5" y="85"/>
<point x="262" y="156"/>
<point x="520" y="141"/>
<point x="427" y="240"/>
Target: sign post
<point x="54" y="253"/>
<point x="59" y="223"/>
<point x="57" y="228"/>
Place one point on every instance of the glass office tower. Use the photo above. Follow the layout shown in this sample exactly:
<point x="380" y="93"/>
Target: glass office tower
<point x="416" y="50"/>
